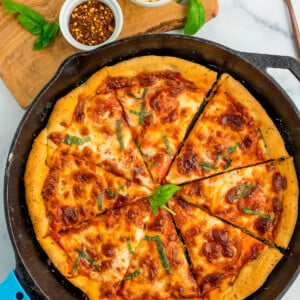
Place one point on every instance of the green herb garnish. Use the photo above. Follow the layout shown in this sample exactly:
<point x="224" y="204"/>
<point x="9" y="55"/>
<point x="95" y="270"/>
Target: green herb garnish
<point x="99" y="198"/>
<point x="132" y="275"/>
<point x="84" y="255"/>
<point x="155" y="163"/>
<point x="218" y="155"/>
<point x="207" y="166"/>
<point x="230" y="150"/>
<point x="129" y="245"/>
<point x="120" y="137"/>
<point x="167" y="143"/>
<point x="195" y="17"/>
<point x="34" y="22"/>
<point x="75" y="140"/>
<point x="144" y="93"/>
<point x="228" y="163"/>
<point x="138" y="98"/>
<point x="245" y="192"/>
<point x="253" y="212"/>
<point x="114" y="195"/>
<point x="134" y="112"/>
<point x="161" y="251"/>
<point x="161" y="197"/>
<point x="76" y="263"/>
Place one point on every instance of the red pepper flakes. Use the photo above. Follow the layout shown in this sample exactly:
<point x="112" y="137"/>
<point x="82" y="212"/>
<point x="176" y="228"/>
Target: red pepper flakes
<point x="91" y="23"/>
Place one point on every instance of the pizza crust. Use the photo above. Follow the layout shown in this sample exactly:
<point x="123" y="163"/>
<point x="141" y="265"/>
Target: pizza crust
<point x="193" y="72"/>
<point x="35" y="175"/>
<point x="251" y="277"/>
<point x="274" y="142"/>
<point x="64" y="108"/>
<point x="60" y="260"/>
<point x="290" y="203"/>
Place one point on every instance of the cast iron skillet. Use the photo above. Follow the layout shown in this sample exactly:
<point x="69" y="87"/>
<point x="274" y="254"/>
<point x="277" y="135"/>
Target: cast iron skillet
<point x="41" y="280"/>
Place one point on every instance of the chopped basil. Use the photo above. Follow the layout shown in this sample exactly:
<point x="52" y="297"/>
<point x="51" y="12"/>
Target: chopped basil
<point x="142" y="114"/>
<point x="253" y="212"/>
<point x="161" y="251"/>
<point x="132" y="275"/>
<point x="228" y="163"/>
<point x="75" y="140"/>
<point x="76" y="263"/>
<point x="156" y="163"/>
<point x="144" y="92"/>
<point x="129" y="245"/>
<point x="120" y="137"/>
<point x="134" y="112"/>
<point x="218" y="155"/>
<point x="230" y="150"/>
<point x="119" y="189"/>
<point x="207" y="166"/>
<point x="161" y="197"/>
<point x="148" y="113"/>
<point x="84" y="255"/>
<point x="167" y="143"/>
<point x="99" y="198"/>
<point x="133" y="96"/>
<point x="114" y="195"/>
<point x="245" y="192"/>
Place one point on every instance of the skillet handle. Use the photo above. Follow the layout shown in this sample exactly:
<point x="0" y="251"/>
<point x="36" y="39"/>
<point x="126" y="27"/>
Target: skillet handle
<point x="264" y="61"/>
<point x="11" y="288"/>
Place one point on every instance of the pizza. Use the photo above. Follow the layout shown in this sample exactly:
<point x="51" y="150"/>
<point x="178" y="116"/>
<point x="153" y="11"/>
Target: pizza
<point x="160" y="179"/>
<point x="256" y="199"/>
<point x="233" y="131"/>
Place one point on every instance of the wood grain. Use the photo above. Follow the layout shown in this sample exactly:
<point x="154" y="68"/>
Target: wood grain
<point x="25" y="71"/>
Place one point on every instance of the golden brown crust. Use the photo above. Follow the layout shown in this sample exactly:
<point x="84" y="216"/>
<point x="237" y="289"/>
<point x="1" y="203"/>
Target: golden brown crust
<point x="251" y="277"/>
<point x="64" y="108"/>
<point x="35" y="175"/>
<point x="60" y="260"/>
<point x="273" y="140"/>
<point x="189" y="70"/>
<point x="290" y="203"/>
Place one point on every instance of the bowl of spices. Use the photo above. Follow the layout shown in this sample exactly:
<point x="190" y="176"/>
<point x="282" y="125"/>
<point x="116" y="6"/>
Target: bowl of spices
<point x="88" y="24"/>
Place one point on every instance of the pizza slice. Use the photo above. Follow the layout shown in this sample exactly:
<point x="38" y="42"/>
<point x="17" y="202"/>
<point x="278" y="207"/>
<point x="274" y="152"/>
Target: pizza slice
<point x="227" y="263"/>
<point x="261" y="199"/>
<point x="158" y="268"/>
<point x="160" y="97"/>
<point x="95" y="255"/>
<point x="89" y="123"/>
<point x="233" y="131"/>
<point x="69" y="190"/>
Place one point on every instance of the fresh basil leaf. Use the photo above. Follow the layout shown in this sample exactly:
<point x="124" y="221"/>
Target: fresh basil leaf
<point x="207" y="166"/>
<point x="50" y="30"/>
<point x="253" y="212"/>
<point x="195" y="17"/>
<point x="75" y="140"/>
<point x="39" y="44"/>
<point x="30" y="25"/>
<point x="161" y="197"/>
<point x="133" y="274"/>
<point x="14" y="7"/>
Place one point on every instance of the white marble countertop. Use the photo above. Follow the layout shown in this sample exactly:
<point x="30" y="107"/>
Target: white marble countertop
<point x="250" y="26"/>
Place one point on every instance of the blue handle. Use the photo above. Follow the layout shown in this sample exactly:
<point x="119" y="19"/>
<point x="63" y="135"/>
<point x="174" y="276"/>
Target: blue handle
<point x="11" y="289"/>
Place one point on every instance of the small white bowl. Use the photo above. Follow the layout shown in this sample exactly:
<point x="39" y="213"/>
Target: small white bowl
<point x="150" y="4"/>
<point x="64" y="17"/>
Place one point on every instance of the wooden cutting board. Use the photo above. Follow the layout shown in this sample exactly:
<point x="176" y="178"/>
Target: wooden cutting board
<point x="25" y="71"/>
